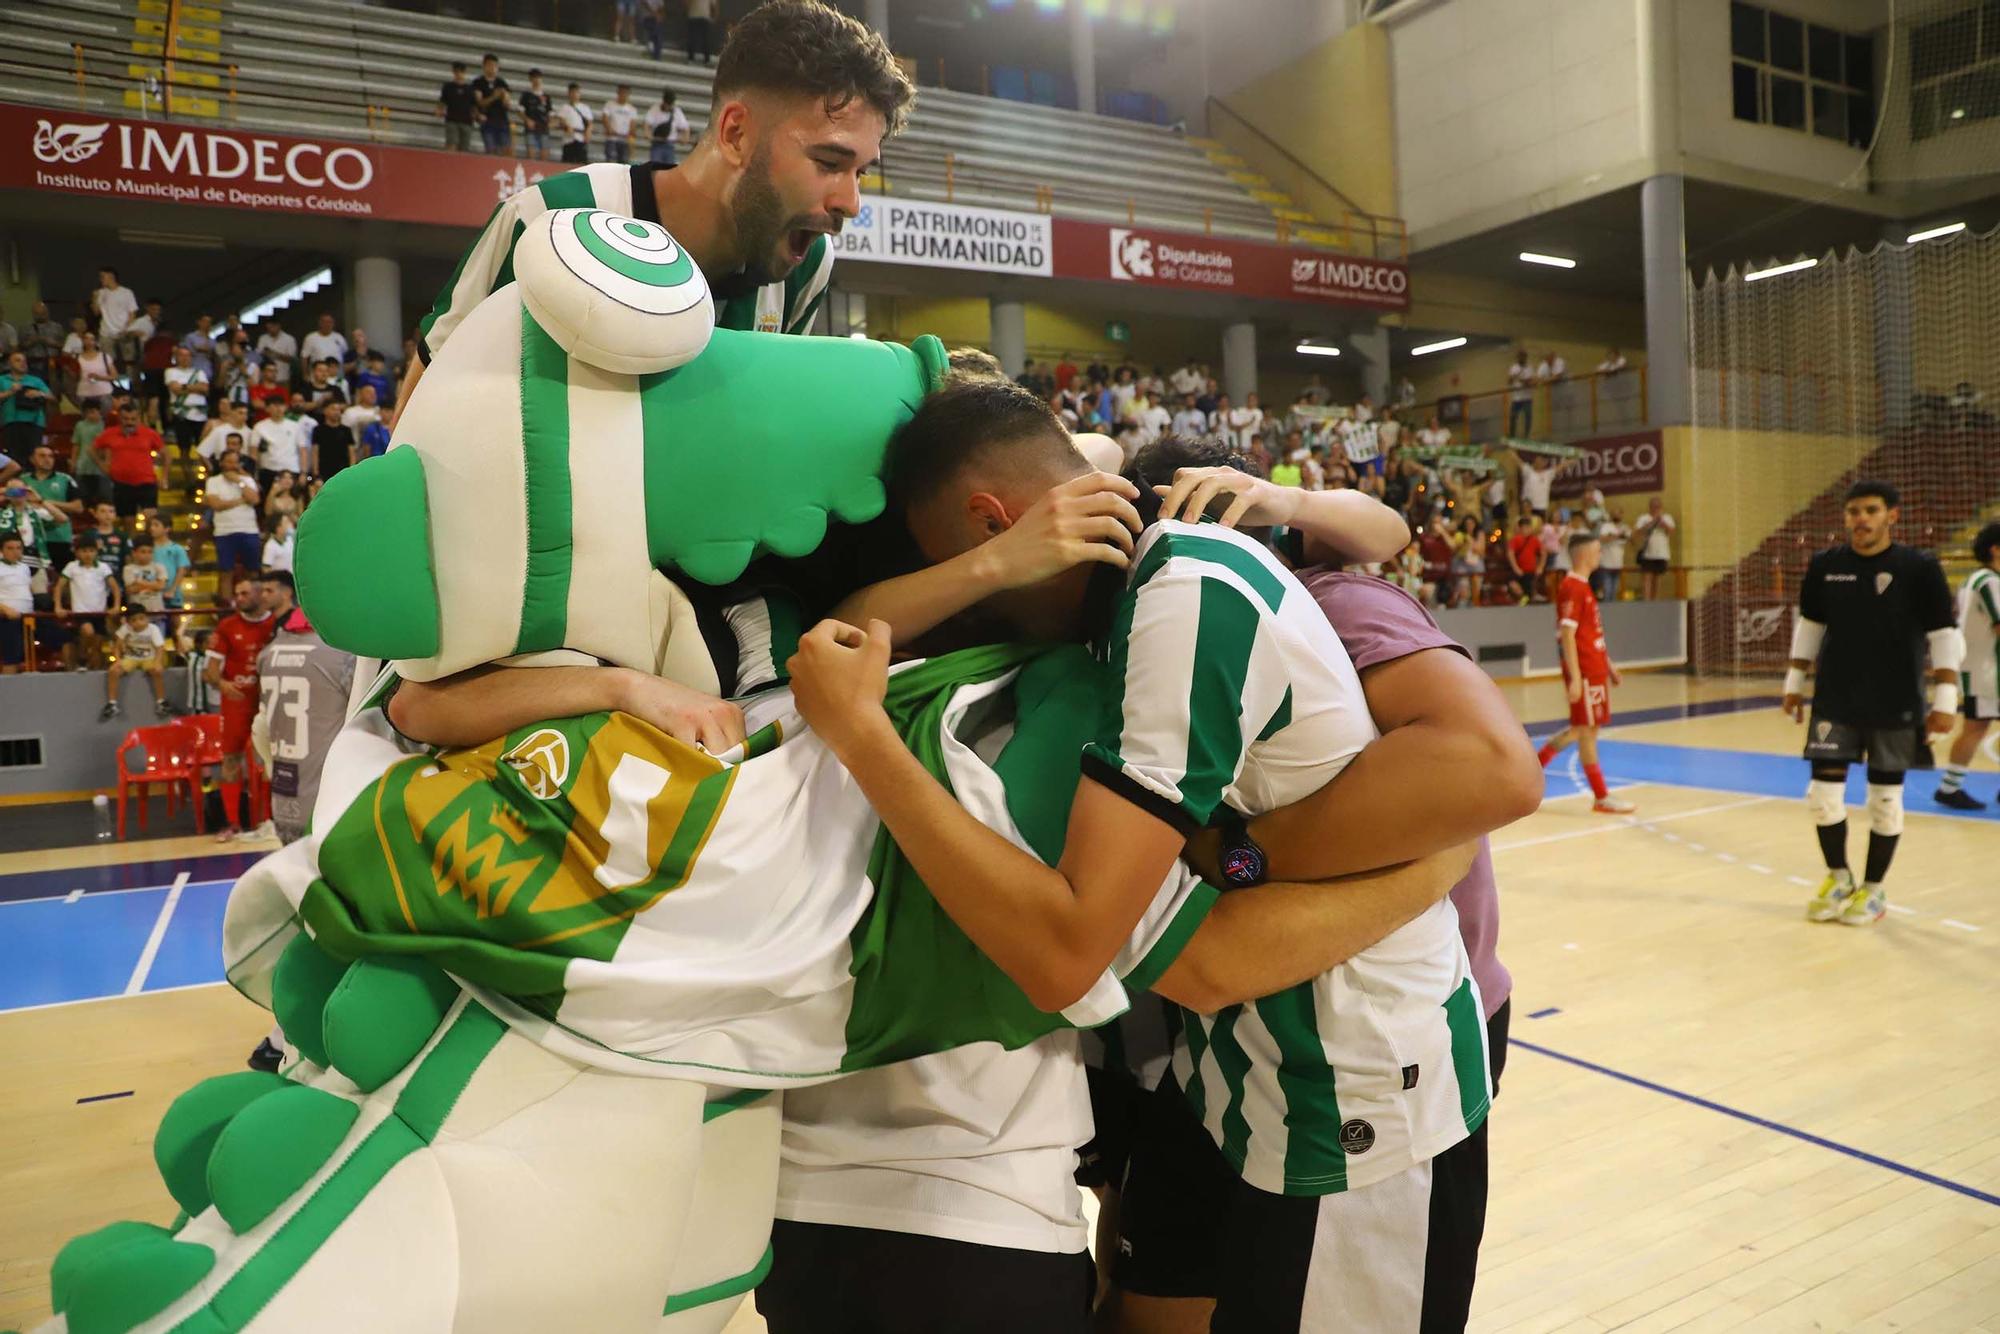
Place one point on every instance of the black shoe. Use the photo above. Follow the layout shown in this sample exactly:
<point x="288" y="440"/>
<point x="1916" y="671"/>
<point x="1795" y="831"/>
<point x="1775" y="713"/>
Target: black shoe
<point x="267" y="1057"/>
<point x="1960" y="800"/>
<point x="107" y="713"/>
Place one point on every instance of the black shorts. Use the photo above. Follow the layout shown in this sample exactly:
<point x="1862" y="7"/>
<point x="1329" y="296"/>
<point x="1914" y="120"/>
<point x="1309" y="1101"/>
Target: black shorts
<point x="131" y="497"/>
<point x="13" y="642"/>
<point x="1117" y="1102"/>
<point x="1653" y="564"/>
<point x="1190" y="1227"/>
<point x="827" y="1279"/>
<point x="1889" y="749"/>
<point x="573" y="152"/>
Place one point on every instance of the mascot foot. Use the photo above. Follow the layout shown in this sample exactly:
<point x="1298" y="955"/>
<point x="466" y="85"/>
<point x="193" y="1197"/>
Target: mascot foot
<point x="425" y="1170"/>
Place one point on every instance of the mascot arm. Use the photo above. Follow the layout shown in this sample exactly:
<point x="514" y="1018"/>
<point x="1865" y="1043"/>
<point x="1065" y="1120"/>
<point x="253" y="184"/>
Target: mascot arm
<point x="473" y="707"/>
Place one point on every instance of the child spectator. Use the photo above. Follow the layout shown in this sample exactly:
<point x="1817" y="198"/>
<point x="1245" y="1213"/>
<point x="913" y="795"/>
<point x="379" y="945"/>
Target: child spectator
<point x="171" y="556"/>
<point x="111" y="544"/>
<point x="456" y="103"/>
<point x="143" y="577"/>
<point x="278" y="546"/>
<point x="17" y="599"/>
<point x="142" y="647"/>
<point x="86" y="587"/>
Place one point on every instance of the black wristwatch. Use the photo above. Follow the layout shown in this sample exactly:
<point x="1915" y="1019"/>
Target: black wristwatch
<point x="1242" y="861"/>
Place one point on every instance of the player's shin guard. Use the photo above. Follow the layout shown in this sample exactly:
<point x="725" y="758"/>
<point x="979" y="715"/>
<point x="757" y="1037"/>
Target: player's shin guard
<point x="1885" y="826"/>
<point x="1825" y="798"/>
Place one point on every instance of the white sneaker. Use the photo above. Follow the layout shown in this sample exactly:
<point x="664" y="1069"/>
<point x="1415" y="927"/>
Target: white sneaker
<point x="264" y="830"/>
<point x="1613" y="806"/>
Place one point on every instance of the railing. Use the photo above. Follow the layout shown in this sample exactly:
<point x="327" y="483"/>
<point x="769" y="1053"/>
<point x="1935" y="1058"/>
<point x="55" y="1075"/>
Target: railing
<point x="1573" y="408"/>
<point x="37" y="653"/>
<point x="1383" y="232"/>
<point x="1786" y="401"/>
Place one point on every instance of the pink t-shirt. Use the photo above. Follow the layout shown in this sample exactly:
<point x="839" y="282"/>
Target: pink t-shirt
<point x="1379" y="622"/>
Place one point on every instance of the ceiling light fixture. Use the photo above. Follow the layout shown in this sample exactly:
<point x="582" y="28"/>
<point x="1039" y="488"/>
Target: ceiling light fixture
<point x="1444" y="346"/>
<point x="1316" y="350"/>
<point x="1552" y="261"/>
<point x="1933" y="233"/>
<point x="1777" y="269"/>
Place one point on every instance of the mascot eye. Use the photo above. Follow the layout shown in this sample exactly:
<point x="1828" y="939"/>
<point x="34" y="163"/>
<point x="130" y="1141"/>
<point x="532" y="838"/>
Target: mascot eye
<point x="637" y="264"/>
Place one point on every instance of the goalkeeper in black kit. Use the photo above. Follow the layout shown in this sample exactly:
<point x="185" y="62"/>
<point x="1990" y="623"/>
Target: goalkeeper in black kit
<point x="1868" y="611"/>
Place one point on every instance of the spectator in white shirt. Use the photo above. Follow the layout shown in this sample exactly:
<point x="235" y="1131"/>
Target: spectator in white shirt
<point x="1244" y="424"/>
<point x="234" y="422"/>
<point x="277" y="348"/>
<point x="115" y="306"/>
<point x="17" y="599"/>
<point x="86" y="585"/>
<point x="187" y="399"/>
<point x="1612" y="535"/>
<point x="232" y="497"/>
<point x="1154" y="421"/>
<point x="278" y="546"/>
<point x="1521" y="395"/>
<point x="619" y="117"/>
<point x="1552" y="368"/>
<point x="364" y="413"/>
<point x="276" y="441"/>
<point x="1190" y="419"/>
<point x="1123" y="389"/>
<point x="1188" y="379"/>
<point x="1614" y="361"/>
<point x="1538" y="475"/>
<point x="1655" y="535"/>
<point x="1406" y="393"/>
<point x="667" y="127"/>
<point x="325" y="343"/>
<point x="1364" y="411"/>
<point x="575" y="116"/>
<point x="142" y="647"/>
<point x="1433" y="436"/>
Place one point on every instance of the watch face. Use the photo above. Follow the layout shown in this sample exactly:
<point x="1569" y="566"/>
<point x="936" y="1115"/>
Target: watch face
<point x="1243" y="865"/>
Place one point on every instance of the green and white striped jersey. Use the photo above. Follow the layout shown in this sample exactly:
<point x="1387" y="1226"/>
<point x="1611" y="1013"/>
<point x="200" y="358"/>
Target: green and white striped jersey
<point x="639" y="905"/>
<point x="781" y="307"/>
<point x="1978" y="614"/>
<point x="1231" y="688"/>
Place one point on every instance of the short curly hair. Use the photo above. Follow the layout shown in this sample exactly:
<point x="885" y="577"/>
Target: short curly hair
<point x="803" y="48"/>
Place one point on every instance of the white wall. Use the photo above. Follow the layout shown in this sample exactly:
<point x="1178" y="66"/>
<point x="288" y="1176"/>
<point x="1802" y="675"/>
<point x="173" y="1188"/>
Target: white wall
<point x="1709" y="128"/>
<point x="1498" y="101"/>
<point x="1247" y="39"/>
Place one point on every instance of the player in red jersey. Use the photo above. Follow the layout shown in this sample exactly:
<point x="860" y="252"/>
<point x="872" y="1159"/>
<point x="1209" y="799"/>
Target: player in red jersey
<point x="1587" y="671"/>
<point x="232" y="672"/>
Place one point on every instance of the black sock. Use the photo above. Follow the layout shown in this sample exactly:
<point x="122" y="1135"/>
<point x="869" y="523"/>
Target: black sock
<point x="1881" y="847"/>
<point x="1833" y="845"/>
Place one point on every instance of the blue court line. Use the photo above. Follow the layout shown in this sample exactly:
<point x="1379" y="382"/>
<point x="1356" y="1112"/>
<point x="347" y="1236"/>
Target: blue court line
<point x="1543" y="1014"/>
<point x="1929" y="1178"/>
<point x="126" y="875"/>
<point x="1668" y="713"/>
<point x="103" y="1097"/>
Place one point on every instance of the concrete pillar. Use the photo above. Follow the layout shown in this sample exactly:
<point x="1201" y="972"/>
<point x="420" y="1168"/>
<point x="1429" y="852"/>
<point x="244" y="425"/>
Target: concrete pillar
<point x="1239" y="360"/>
<point x="378" y="303"/>
<point x="1010" y="334"/>
<point x="1669" y="388"/>
<point x="1083" y="56"/>
<point x="1372" y="347"/>
<point x="876" y="16"/>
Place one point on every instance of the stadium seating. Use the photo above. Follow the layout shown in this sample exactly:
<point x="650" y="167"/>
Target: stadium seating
<point x="321" y="76"/>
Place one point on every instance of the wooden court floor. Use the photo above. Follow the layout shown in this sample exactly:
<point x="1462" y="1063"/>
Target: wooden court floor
<point x="1715" y="1115"/>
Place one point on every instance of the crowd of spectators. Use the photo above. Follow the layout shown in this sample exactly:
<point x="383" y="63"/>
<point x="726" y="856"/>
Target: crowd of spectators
<point x="535" y="122"/>
<point x="129" y="427"/>
<point x="1485" y="528"/>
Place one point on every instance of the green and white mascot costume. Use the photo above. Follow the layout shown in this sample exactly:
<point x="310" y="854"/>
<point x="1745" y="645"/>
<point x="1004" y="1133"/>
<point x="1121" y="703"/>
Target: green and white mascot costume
<point x="545" y="992"/>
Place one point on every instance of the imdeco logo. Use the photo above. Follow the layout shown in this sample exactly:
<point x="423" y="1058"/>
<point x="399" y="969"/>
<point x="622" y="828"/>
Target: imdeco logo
<point x="69" y="144"/>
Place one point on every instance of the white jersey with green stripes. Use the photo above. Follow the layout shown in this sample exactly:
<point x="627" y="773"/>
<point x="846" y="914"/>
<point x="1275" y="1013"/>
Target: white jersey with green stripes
<point x="787" y="306"/>
<point x="1237" y="692"/>
<point x="1978" y="616"/>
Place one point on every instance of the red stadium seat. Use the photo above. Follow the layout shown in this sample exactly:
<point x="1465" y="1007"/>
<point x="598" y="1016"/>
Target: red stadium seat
<point x="163" y="753"/>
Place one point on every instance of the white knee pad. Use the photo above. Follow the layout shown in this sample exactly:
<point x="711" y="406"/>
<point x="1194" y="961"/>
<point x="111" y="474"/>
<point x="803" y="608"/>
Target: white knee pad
<point x="1885" y="809"/>
<point x="1827" y="801"/>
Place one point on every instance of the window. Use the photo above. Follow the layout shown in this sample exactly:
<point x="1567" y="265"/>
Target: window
<point x="1955" y="70"/>
<point x="1802" y="76"/>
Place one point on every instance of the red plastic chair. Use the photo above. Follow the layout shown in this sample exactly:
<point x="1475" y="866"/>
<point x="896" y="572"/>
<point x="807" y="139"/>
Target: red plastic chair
<point x="163" y="753"/>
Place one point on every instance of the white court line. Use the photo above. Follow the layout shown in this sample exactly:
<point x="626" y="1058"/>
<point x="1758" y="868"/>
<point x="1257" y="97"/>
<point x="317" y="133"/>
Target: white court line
<point x="92" y="1000"/>
<point x="76" y="894"/>
<point x="73" y="896"/>
<point x="1612" y="826"/>
<point x="1962" y="926"/>
<point x="145" y="964"/>
<point x="1760" y="870"/>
